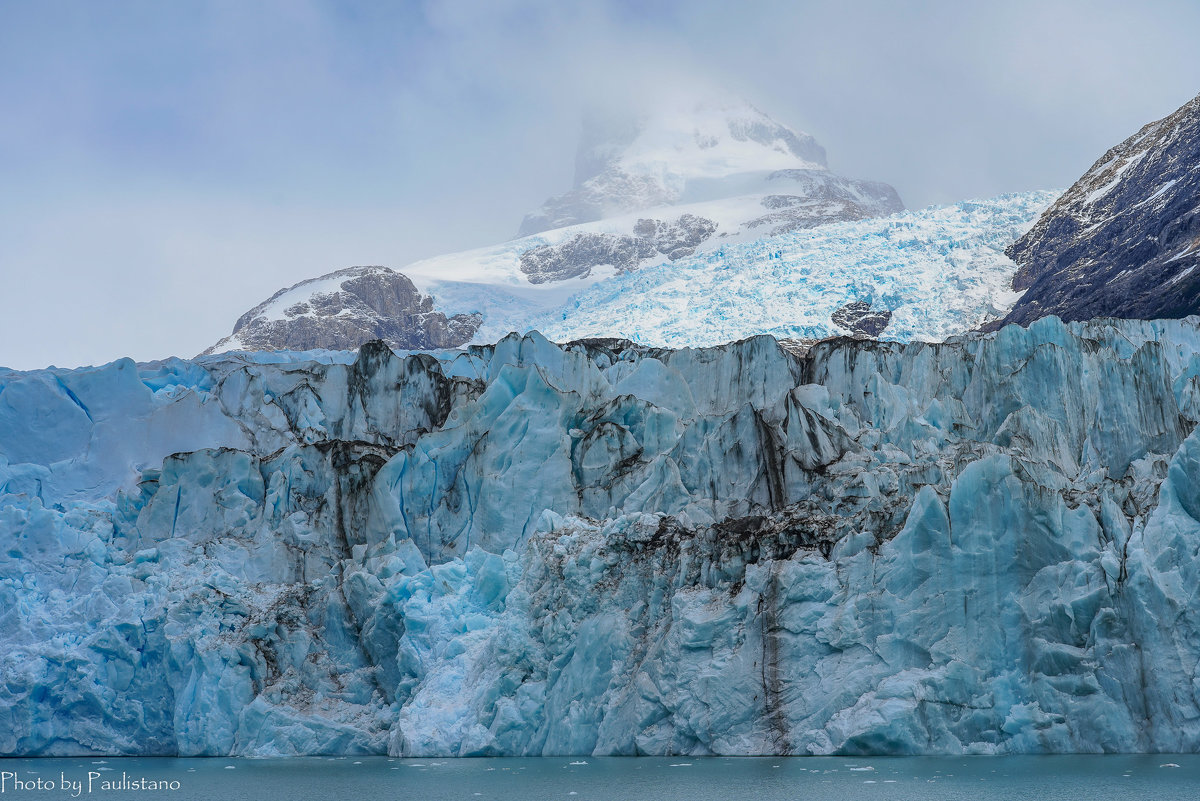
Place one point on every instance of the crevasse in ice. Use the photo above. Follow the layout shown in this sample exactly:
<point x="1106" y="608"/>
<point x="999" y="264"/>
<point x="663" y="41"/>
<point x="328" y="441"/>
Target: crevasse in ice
<point x="988" y="545"/>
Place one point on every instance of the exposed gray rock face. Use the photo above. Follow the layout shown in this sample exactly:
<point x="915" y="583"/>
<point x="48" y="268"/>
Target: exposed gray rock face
<point x="676" y="239"/>
<point x="858" y="317"/>
<point x="1124" y="240"/>
<point x="344" y="309"/>
<point x="606" y="195"/>
<point x="817" y="197"/>
<point x="578" y="255"/>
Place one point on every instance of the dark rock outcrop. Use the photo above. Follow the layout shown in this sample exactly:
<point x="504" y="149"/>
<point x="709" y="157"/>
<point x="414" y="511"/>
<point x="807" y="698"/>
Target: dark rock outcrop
<point x="858" y="317"/>
<point x="817" y="197"/>
<point x="578" y="255"/>
<point x="1124" y="240"/>
<point x="367" y="303"/>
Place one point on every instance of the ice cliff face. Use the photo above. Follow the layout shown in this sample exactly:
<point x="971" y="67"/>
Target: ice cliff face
<point x="1124" y="240"/>
<point x="982" y="546"/>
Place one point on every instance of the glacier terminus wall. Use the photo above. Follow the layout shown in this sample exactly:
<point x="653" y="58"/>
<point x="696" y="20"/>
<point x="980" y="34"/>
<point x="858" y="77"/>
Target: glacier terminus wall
<point x="987" y="545"/>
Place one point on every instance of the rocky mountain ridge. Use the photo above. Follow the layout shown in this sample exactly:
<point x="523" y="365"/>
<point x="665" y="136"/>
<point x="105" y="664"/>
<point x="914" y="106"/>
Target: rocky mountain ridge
<point x="1124" y="240"/>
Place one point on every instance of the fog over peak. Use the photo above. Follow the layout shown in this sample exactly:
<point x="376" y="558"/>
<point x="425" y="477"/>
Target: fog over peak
<point x="687" y="148"/>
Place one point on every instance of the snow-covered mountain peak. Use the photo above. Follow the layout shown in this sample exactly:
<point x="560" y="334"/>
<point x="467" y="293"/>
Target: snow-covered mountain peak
<point x="683" y="150"/>
<point x="698" y="139"/>
<point x="688" y="176"/>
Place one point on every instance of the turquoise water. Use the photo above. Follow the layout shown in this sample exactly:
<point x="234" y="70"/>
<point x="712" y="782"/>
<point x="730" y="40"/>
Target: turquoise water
<point x="1094" y="778"/>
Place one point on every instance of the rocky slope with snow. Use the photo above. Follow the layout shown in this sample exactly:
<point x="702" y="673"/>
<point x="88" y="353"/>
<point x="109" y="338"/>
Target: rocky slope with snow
<point x="1124" y="240"/>
<point x="987" y="545"/>
<point x="343" y="309"/>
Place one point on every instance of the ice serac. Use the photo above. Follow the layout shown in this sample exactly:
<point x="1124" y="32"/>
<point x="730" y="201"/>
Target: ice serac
<point x="987" y="545"/>
<point x="1124" y="240"/>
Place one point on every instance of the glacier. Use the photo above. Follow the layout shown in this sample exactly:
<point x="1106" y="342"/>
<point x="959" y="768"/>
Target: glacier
<point x="939" y="271"/>
<point x="985" y="545"/>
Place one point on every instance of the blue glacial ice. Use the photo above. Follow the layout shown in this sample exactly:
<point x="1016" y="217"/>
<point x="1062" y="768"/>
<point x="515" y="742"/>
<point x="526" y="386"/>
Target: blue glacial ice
<point x="939" y="271"/>
<point x="987" y="545"/>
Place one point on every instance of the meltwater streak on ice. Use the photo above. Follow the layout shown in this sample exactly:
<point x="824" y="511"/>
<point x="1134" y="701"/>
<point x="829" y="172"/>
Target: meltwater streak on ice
<point x="1058" y="778"/>
<point x="987" y="545"/>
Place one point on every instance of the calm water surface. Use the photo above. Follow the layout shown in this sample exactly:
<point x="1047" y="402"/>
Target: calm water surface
<point x="1059" y="778"/>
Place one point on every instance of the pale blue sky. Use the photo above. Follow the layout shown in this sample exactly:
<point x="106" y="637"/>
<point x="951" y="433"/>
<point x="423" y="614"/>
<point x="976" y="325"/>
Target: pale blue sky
<point x="167" y="165"/>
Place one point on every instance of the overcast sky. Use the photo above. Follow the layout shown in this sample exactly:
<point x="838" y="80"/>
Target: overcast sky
<point x="165" y="166"/>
